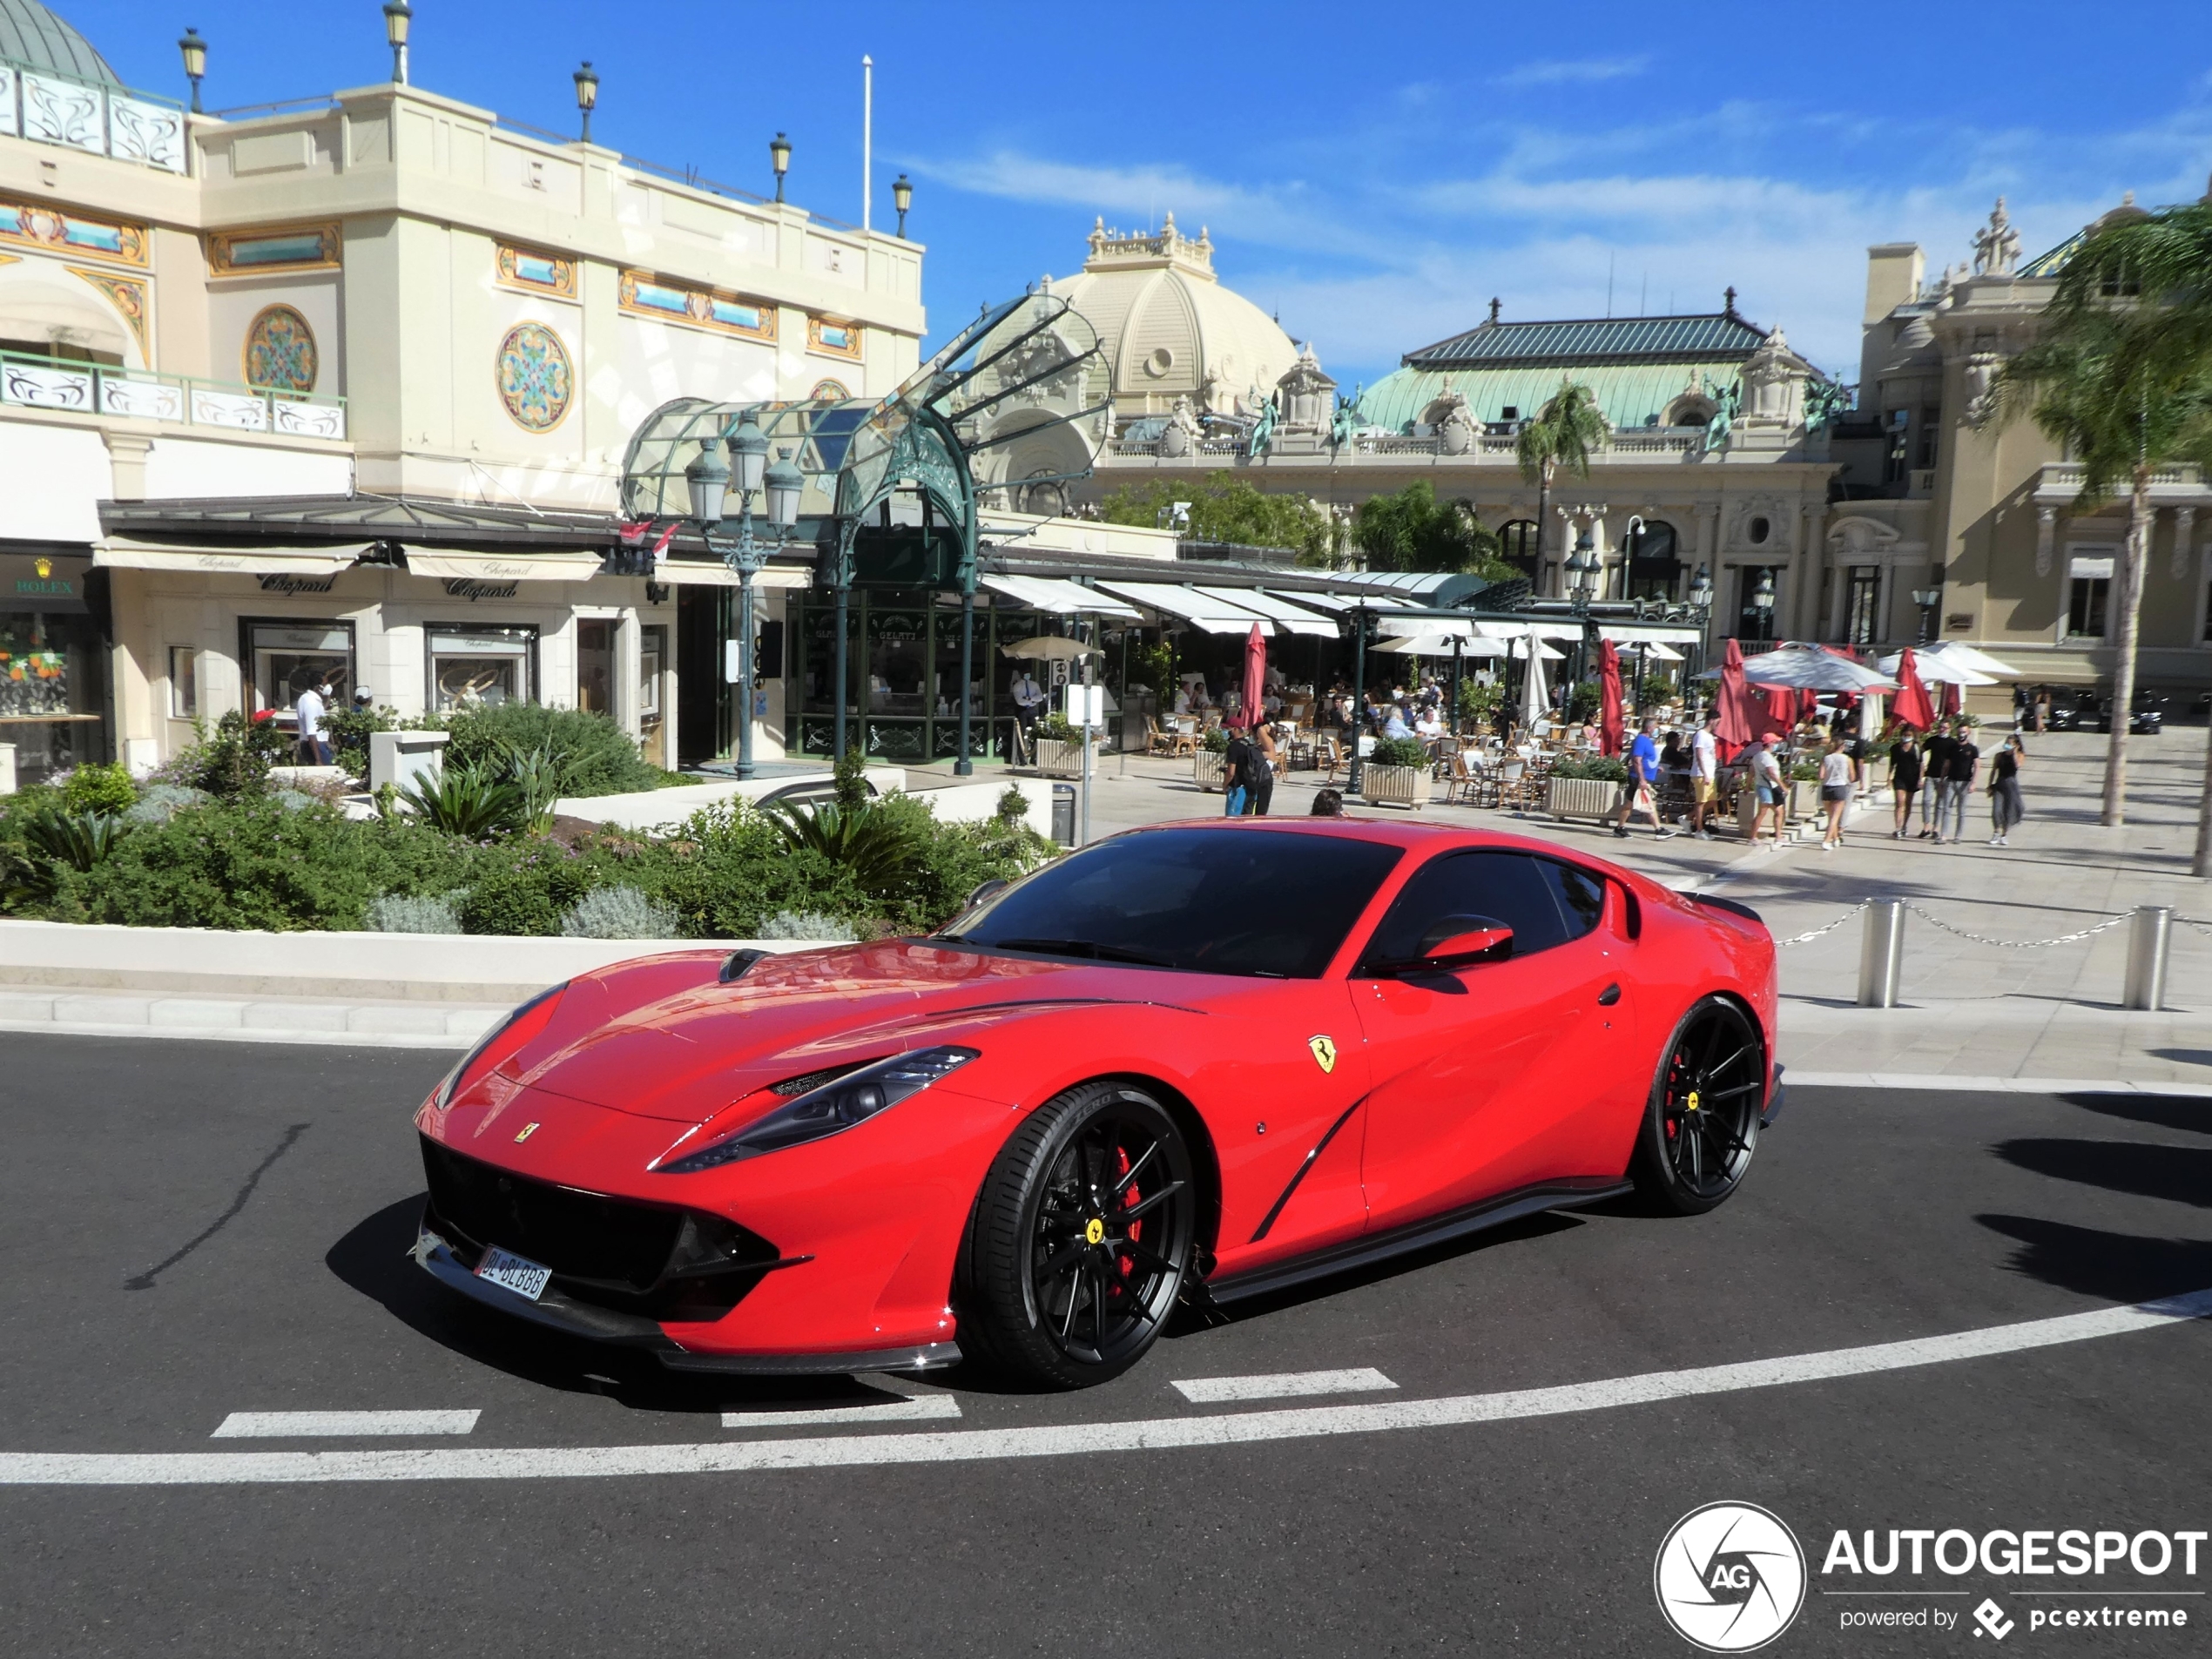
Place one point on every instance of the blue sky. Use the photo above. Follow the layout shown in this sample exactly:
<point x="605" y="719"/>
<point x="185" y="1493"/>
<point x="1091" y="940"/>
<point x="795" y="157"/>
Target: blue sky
<point x="1373" y="174"/>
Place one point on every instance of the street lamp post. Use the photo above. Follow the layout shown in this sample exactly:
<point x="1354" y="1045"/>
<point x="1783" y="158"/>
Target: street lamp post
<point x="1763" y="601"/>
<point x="902" y="197"/>
<point x="1356" y="780"/>
<point x="398" y="15"/>
<point x="710" y="478"/>
<point x="195" y="51"/>
<point x="1701" y="607"/>
<point x="779" y="159"/>
<point x="1582" y="569"/>
<point x="1927" y="600"/>
<point x="587" y="95"/>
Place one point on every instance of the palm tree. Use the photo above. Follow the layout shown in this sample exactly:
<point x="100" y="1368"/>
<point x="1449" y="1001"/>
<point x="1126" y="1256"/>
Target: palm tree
<point x="1564" y="434"/>
<point x="2125" y="390"/>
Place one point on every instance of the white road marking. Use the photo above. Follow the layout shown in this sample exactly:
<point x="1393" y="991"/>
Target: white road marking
<point x="967" y="1446"/>
<point x="240" y="1425"/>
<point x="1283" y="1384"/>
<point x="917" y="1408"/>
<point x="1989" y="1085"/>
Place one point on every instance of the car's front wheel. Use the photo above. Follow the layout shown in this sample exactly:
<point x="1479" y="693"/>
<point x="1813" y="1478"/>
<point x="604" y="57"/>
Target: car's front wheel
<point x="1701" y="1124"/>
<point x="1081" y="1238"/>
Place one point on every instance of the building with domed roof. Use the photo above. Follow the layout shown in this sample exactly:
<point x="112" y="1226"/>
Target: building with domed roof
<point x="34" y="38"/>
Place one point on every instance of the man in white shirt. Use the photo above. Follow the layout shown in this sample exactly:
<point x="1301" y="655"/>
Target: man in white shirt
<point x="1028" y="698"/>
<point x="1704" y="775"/>
<point x="314" y="748"/>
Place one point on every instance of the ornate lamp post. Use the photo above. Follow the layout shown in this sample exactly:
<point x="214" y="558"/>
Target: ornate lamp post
<point x="902" y="197"/>
<point x="1763" y="603"/>
<point x="1582" y="569"/>
<point x="1356" y="780"/>
<point x="587" y="95"/>
<point x="709" y="479"/>
<point x="779" y="159"/>
<point x="1700" y="607"/>
<point x="398" y="15"/>
<point x="195" y="51"/>
<point x="1927" y="600"/>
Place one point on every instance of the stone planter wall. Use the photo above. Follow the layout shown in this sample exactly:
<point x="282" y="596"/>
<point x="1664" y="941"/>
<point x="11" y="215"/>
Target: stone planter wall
<point x="1598" y="797"/>
<point x="1060" y="759"/>
<point x="1406" y="786"/>
<point x="1205" y="766"/>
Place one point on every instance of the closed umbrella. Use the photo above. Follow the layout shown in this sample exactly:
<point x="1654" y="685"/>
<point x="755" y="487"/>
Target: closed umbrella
<point x="1536" y="702"/>
<point x="1734" y="704"/>
<point x="1255" y="674"/>
<point x="1608" y="692"/>
<point x="1911" y="704"/>
<point x="1779" y="710"/>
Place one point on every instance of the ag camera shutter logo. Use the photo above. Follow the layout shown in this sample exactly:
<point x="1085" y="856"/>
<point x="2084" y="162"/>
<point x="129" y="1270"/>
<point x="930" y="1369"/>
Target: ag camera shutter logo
<point x="1730" y="1577"/>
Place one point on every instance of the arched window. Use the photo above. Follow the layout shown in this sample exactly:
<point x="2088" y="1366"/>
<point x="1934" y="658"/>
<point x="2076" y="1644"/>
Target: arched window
<point x="1518" y="544"/>
<point x="1652" y="553"/>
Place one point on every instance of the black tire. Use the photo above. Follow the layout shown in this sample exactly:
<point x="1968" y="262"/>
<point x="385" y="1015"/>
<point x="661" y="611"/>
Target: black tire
<point x="1700" y="1125"/>
<point x="1081" y="1238"/>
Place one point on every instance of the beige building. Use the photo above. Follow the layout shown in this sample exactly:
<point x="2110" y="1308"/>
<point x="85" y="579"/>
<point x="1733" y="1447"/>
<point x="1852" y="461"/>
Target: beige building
<point x="345" y="388"/>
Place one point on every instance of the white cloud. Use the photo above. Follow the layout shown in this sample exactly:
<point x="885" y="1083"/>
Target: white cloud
<point x="1562" y="71"/>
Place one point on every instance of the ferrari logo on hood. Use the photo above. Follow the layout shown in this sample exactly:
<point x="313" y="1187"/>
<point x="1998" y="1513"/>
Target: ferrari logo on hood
<point x="1324" y="1052"/>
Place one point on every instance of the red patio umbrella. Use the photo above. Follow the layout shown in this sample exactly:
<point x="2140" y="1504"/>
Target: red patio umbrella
<point x="1954" y="697"/>
<point x="1911" y="706"/>
<point x="1734" y="705"/>
<point x="1255" y="678"/>
<point x="1778" y="710"/>
<point x="1608" y="691"/>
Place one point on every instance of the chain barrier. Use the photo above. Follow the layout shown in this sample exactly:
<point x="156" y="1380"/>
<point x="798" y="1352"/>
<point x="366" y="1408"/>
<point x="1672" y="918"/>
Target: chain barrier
<point x="1800" y="939"/>
<point x="1980" y="939"/>
<point x="2204" y="927"/>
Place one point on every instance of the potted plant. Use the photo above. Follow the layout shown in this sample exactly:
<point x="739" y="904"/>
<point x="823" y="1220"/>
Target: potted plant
<point x="1585" y="787"/>
<point x="1397" y="773"/>
<point x="1206" y="765"/>
<point x="1059" y="749"/>
<point x="1804" y="790"/>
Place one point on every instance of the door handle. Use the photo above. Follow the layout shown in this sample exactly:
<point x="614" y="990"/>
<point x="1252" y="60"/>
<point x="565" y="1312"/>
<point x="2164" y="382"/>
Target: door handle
<point x="1609" y="996"/>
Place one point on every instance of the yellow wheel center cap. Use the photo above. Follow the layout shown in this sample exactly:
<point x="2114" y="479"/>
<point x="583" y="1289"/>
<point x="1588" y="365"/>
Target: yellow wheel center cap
<point x="1693" y="1100"/>
<point x="1094" y="1231"/>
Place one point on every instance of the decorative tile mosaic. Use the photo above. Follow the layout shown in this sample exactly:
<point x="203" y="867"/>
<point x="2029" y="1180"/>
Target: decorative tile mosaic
<point x="537" y="273"/>
<point x="645" y="295"/>
<point x="834" y="338"/>
<point x="280" y="351"/>
<point x="536" y="381"/>
<point x="300" y="247"/>
<point x="127" y="294"/>
<point x="40" y="226"/>
<point x="829" y="392"/>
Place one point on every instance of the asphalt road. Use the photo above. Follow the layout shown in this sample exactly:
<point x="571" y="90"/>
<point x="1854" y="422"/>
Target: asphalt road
<point x="195" y="1229"/>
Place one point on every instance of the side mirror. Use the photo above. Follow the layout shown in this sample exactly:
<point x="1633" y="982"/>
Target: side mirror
<point x="1486" y="942"/>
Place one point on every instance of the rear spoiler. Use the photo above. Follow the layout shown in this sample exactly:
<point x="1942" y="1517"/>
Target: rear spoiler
<point x="1716" y="902"/>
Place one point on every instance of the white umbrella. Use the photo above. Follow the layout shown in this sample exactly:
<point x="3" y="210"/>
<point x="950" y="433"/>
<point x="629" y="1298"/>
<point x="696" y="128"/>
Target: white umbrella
<point x="1440" y="646"/>
<point x="1938" y="669"/>
<point x="1808" y="666"/>
<point x="1519" y="651"/>
<point x="1958" y="651"/>
<point x="1653" y="647"/>
<point x="1048" y="647"/>
<point x="1536" y="705"/>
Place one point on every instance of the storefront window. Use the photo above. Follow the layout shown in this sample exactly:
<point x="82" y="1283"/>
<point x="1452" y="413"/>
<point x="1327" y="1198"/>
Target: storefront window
<point x="289" y="657"/>
<point x="183" y="682"/>
<point x="482" y="667"/>
<point x="49" y="692"/>
<point x="595" y="667"/>
<point x="898" y="643"/>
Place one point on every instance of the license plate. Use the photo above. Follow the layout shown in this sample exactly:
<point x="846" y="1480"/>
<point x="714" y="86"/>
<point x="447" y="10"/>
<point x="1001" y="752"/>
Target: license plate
<point x="526" y="1278"/>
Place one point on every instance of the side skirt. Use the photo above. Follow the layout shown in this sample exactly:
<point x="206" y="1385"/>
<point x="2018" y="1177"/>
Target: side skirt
<point x="1457" y="1224"/>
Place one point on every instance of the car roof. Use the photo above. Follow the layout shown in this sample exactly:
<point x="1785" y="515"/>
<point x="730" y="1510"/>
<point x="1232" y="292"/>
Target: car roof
<point x="1410" y="833"/>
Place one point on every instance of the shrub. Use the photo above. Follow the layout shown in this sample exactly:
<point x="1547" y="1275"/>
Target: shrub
<point x="467" y="801"/>
<point x="1583" y="703"/>
<point x="232" y="762"/>
<point x="879" y="843"/>
<point x="1216" y="740"/>
<point x="1608" y="769"/>
<point x="404" y="913"/>
<point x="852" y="792"/>
<point x="806" y="924"/>
<point x="1397" y="751"/>
<point x="593" y="756"/>
<point x="99" y="789"/>
<point x="619" y="913"/>
<point x="348" y="730"/>
<point x="1054" y="728"/>
<point x="1013" y="809"/>
<point x="292" y="800"/>
<point x="159" y="803"/>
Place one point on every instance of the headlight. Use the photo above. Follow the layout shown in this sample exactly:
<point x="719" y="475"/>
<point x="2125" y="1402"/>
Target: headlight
<point x="853" y="1098"/>
<point x="505" y="1038"/>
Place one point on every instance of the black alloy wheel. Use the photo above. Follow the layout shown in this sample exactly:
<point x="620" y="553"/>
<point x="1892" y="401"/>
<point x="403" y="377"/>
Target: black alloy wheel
<point x="1081" y="1238"/>
<point x="1702" y="1124"/>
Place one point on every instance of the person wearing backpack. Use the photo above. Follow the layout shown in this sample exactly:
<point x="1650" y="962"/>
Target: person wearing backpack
<point x="1236" y="774"/>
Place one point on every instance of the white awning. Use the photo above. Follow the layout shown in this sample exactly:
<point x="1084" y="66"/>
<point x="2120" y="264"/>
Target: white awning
<point x="1186" y="604"/>
<point x="1651" y="648"/>
<point x="1059" y="599"/>
<point x="1294" y="618"/>
<point x="690" y="574"/>
<point x="504" y="567"/>
<point x="1493" y="628"/>
<point x="1629" y="633"/>
<point x="1336" y="602"/>
<point x="120" y="553"/>
<point x="1436" y="644"/>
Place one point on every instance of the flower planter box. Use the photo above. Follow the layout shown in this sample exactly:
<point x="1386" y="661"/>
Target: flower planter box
<point x="1205" y="766"/>
<point x="1804" y="799"/>
<point x="1598" y="797"/>
<point x="1406" y="786"/>
<point x="1060" y="759"/>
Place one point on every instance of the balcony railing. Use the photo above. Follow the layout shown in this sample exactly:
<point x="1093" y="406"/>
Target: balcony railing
<point x="146" y="395"/>
<point x="51" y="107"/>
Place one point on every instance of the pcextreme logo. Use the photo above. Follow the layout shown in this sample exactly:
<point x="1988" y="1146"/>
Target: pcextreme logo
<point x="1730" y="1577"/>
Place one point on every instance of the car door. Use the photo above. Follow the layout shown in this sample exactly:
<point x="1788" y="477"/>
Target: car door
<point x="1476" y="1074"/>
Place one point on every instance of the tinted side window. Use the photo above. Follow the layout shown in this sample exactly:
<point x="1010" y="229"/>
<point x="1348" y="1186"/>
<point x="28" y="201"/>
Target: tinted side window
<point x="1581" y="896"/>
<point x="1511" y="887"/>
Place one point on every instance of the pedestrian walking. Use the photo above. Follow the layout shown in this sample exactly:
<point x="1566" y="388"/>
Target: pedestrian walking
<point x="1957" y="783"/>
<point x="1766" y="777"/>
<point x="1236" y="774"/>
<point x="2004" y="808"/>
<point x="1937" y="753"/>
<point x="1907" y="764"/>
<point x="2043" y="708"/>
<point x="1640" y="789"/>
<point x="1704" y="775"/>
<point x="1836" y="768"/>
<point x="313" y="704"/>
<point x="1260" y="771"/>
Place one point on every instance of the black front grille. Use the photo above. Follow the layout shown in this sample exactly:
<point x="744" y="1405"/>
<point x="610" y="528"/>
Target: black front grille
<point x="641" y="1257"/>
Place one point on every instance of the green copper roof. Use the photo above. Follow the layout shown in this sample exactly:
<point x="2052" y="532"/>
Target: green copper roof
<point x="34" y="36"/>
<point x="1722" y="337"/>
<point x="1630" y="395"/>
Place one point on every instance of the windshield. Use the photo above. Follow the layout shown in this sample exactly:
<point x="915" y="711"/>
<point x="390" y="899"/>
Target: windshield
<point x="1275" y="903"/>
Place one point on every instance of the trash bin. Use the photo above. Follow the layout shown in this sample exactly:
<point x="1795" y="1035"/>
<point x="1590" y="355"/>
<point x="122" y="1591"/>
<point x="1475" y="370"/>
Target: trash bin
<point x="1063" y="814"/>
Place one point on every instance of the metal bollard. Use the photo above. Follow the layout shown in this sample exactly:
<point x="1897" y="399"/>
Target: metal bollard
<point x="1881" y="955"/>
<point x="2150" y="936"/>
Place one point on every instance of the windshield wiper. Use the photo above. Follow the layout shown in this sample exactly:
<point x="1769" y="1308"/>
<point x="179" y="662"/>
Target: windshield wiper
<point x="1086" y="947"/>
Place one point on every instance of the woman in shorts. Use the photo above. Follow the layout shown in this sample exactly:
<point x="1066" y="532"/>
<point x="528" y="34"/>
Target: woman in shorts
<point x="1836" y="770"/>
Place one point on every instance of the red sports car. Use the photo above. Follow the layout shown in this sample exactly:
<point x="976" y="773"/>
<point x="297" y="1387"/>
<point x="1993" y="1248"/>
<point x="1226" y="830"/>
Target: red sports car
<point x="1200" y="1061"/>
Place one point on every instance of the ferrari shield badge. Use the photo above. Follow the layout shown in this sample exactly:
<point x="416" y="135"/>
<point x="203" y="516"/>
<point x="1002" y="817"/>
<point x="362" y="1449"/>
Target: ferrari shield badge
<point x="1324" y="1052"/>
<point x="526" y="1131"/>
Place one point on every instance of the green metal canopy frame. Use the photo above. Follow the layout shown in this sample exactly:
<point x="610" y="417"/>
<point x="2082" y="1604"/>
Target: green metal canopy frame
<point x="1019" y="366"/>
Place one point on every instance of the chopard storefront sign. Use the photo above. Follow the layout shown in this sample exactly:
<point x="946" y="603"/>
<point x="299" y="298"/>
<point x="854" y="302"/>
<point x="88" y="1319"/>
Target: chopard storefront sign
<point x="469" y="588"/>
<point x="287" y="583"/>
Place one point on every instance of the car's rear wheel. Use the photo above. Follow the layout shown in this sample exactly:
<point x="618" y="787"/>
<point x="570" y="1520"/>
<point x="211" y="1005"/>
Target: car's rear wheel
<point x="1081" y="1238"/>
<point x="1701" y="1124"/>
